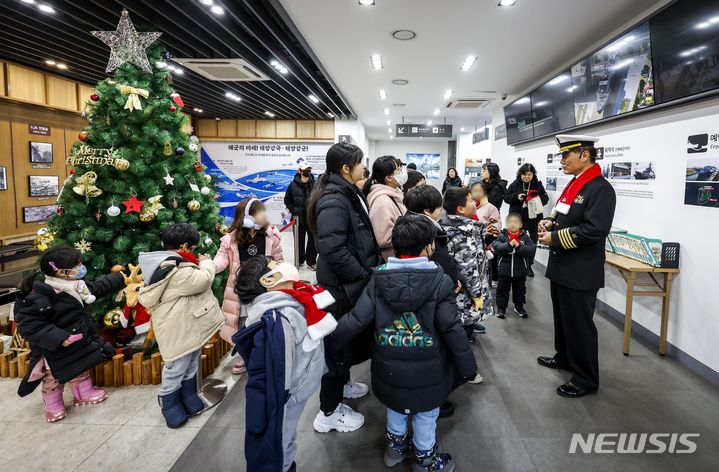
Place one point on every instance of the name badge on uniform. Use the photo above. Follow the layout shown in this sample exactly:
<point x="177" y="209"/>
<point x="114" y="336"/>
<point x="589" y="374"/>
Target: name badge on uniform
<point x="579" y="199"/>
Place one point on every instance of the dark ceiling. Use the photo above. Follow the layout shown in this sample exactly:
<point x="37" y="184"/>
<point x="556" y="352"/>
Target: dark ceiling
<point x="255" y="30"/>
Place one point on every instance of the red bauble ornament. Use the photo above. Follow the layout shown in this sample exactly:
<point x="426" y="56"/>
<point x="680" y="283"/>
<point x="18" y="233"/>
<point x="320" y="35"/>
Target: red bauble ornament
<point x="83" y="136"/>
<point x="60" y="210"/>
<point x="133" y="204"/>
<point x="173" y="108"/>
<point x="197" y="166"/>
<point x="94" y="97"/>
<point x="72" y="171"/>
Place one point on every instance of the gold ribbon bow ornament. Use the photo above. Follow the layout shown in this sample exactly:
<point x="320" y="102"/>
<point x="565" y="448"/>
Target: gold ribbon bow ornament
<point x="154" y="205"/>
<point x="133" y="99"/>
<point x="85" y="185"/>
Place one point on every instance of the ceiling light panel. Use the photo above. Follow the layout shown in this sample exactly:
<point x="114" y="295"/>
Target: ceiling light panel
<point x="376" y="61"/>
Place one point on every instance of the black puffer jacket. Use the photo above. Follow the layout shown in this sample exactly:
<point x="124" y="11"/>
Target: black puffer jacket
<point x="419" y="351"/>
<point x="442" y="257"/>
<point x="513" y="262"/>
<point x="451" y="182"/>
<point x="518" y="187"/>
<point x="495" y="192"/>
<point x="297" y="194"/>
<point x="45" y="319"/>
<point x="345" y="242"/>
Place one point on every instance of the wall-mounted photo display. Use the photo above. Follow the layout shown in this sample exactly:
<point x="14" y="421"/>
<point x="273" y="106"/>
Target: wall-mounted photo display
<point x="3" y="178"/>
<point x="36" y="214"/>
<point x="40" y="153"/>
<point x="44" y="185"/>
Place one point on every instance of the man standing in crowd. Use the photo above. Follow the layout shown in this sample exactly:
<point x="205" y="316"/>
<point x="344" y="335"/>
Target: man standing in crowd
<point x="295" y="198"/>
<point x="575" y="233"/>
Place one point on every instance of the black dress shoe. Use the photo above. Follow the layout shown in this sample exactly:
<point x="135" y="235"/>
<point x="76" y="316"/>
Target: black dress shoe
<point x="572" y="390"/>
<point x="551" y="362"/>
<point x="446" y="409"/>
<point x="530" y="272"/>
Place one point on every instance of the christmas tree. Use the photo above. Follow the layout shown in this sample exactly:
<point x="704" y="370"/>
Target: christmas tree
<point x="135" y="169"/>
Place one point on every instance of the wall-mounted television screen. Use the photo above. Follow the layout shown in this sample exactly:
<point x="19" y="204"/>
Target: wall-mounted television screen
<point x="685" y="39"/>
<point x="553" y="106"/>
<point x="518" y="118"/>
<point x="616" y="79"/>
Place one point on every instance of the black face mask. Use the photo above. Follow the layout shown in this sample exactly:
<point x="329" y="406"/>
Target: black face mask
<point x="306" y="173"/>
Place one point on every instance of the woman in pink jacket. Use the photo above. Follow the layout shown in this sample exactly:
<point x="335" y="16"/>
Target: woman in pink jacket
<point x="385" y="199"/>
<point x="249" y="235"/>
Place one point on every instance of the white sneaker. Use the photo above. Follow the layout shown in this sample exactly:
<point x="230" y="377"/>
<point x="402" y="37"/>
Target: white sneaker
<point x="344" y="419"/>
<point x="354" y="389"/>
<point x="477" y="379"/>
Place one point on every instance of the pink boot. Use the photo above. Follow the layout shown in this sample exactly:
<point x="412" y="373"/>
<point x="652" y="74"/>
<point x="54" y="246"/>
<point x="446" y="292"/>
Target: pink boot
<point x="54" y="405"/>
<point x="86" y="394"/>
<point x="239" y="367"/>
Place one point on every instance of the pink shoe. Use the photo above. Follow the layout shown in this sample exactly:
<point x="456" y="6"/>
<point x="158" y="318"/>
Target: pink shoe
<point x="54" y="405"/>
<point x="239" y="367"/>
<point x="86" y="394"/>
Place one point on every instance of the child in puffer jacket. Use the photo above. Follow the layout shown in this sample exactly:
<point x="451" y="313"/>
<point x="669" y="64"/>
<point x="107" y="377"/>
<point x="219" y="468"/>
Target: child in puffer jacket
<point x="281" y="344"/>
<point x="515" y="251"/>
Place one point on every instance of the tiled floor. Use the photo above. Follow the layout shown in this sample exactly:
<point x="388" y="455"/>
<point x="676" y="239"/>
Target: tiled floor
<point x="514" y="421"/>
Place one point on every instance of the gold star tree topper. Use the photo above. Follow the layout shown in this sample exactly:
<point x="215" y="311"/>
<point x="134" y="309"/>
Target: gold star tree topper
<point x="126" y="44"/>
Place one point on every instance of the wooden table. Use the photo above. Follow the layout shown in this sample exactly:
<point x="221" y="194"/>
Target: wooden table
<point x="629" y="268"/>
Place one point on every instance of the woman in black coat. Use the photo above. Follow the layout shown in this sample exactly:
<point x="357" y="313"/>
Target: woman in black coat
<point x="337" y="214"/>
<point x="452" y="180"/>
<point x="51" y="319"/>
<point x="526" y="186"/>
<point x="494" y="185"/>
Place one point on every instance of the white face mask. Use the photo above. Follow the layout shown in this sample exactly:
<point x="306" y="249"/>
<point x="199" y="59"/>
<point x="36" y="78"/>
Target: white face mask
<point x="401" y="179"/>
<point x="288" y="271"/>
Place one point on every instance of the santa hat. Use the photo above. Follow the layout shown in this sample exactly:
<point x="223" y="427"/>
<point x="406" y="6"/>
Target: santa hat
<point x="319" y="322"/>
<point x="140" y="318"/>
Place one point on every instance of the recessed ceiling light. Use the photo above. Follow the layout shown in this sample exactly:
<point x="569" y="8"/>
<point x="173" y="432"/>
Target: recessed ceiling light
<point x="331" y="115"/>
<point x="383" y="94"/>
<point x="217" y="10"/>
<point x="366" y="2"/>
<point x="400" y="82"/>
<point x="198" y="110"/>
<point x="461" y="129"/>
<point x="436" y="112"/>
<point x="278" y="66"/>
<point x="270" y="114"/>
<point x="62" y="66"/>
<point x="50" y="63"/>
<point x="376" y="60"/>
<point x="399" y="105"/>
<point x="447" y="94"/>
<point x="389" y="122"/>
<point x="31" y="2"/>
<point x="232" y="96"/>
<point x="389" y="130"/>
<point x="429" y="122"/>
<point x="403" y="34"/>
<point x="274" y="63"/>
<point x="386" y="111"/>
<point x="507" y="3"/>
<point x="46" y="8"/>
<point x="391" y="137"/>
<point x="468" y="63"/>
<point x="207" y="2"/>
<point x="313" y="98"/>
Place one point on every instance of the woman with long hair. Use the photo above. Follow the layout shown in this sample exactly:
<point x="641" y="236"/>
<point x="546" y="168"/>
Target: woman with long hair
<point x="384" y="196"/>
<point x="452" y="180"/>
<point x="337" y="212"/>
<point x="250" y="235"/>
<point x="494" y="185"/>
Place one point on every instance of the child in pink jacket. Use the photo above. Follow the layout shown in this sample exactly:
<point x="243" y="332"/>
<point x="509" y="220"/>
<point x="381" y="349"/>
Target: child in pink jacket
<point x="250" y="235"/>
<point x="486" y="212"/>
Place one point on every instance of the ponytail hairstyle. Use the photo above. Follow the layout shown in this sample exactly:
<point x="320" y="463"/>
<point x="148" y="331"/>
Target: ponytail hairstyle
<point x="57" y="258"/>
<point x="338" y="155"/>
<point x="383" y="167"/>
<point x="243" y="236"/>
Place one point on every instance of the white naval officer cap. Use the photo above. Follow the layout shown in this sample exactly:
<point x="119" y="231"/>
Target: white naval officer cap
<point x="567" y="142"/>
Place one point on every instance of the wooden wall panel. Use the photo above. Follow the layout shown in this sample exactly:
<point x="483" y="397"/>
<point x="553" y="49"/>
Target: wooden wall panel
<point x="324" y="129"/>
<point x="266" y="129"/>
<point x="8" y="220"/>
<point x="207" y="128"/>
<point x="227" y="128"/>
<point x="2" y="78"/>
<point x="83" y="95"/>
<point x="26" y="84"/>
<point x="246" y="128"/>
<point x="61" y="93"/>
<point x="305" y="129"/>
<point x="22" y="168"/>
<point x="285" y="129"/>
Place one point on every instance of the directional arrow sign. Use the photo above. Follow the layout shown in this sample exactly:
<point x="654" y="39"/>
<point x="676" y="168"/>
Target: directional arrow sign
<point x="416" y="131"/>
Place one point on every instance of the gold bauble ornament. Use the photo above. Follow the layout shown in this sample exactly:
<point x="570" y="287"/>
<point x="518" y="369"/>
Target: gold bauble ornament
<point x="111" y="319"/>
<point x="122" y="164"/>
<point x="83" y="136"/>
<point x="193" y="205"/>
<point x="223" y="230"/>
<point x="147" y="216"/>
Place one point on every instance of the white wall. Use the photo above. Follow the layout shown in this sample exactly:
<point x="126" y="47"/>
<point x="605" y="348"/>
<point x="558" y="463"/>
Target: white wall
<point x="467" y="150"/>
<point x="660" y="137"/>
<point x="401" y="146"/>
<point x="354" y="128"/>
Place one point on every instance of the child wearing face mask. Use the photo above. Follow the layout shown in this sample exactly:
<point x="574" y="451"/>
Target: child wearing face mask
<point x="52" y="315"/>
<point x="282" y="346"/>
<point x="385" y="199"/>
<point x="185" y="315"/>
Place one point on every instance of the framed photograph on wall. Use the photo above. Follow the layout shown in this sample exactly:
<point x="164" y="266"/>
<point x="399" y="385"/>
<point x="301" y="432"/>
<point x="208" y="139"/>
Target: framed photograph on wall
<point x="40" y="152"/>
<point x="44" y="185"/>
<point x="3" y="178"/>
<point x="36" y="214"/>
